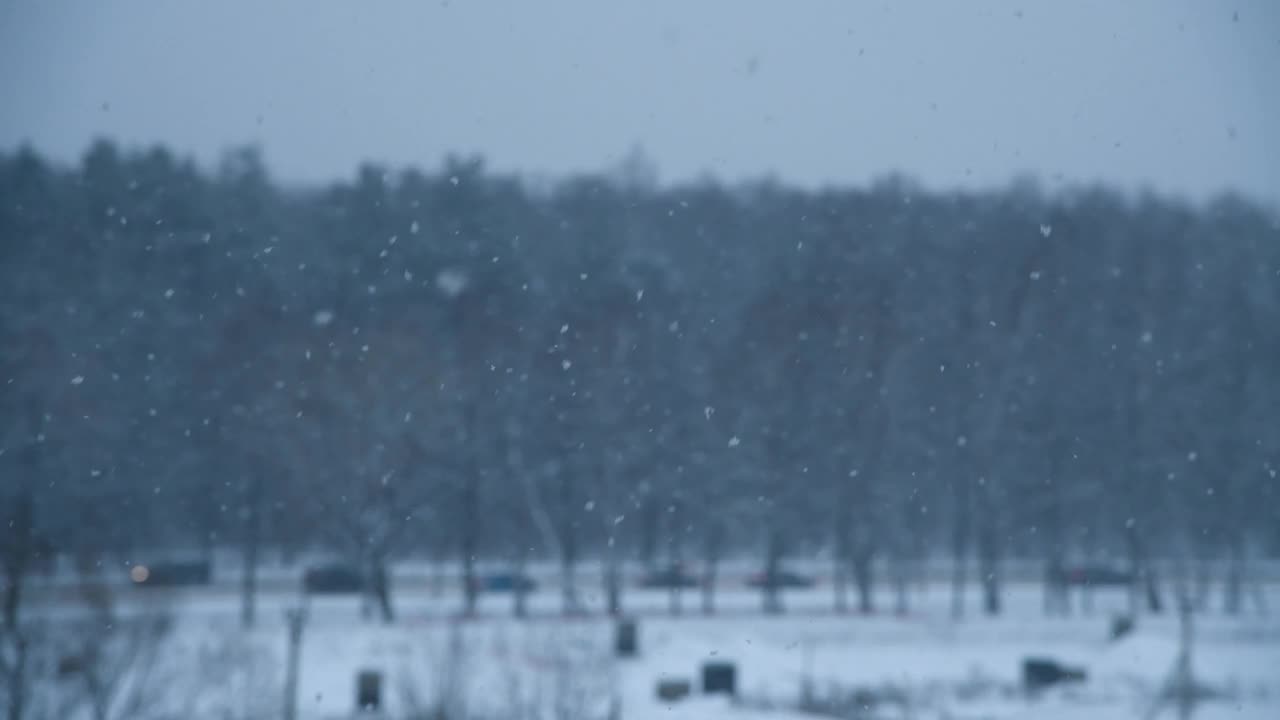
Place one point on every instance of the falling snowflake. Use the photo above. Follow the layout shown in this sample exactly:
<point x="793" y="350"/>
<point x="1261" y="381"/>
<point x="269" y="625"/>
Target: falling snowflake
<point x="168" y="293"/>
<point x="565" y="364"/>
<point x="734" y="441"/>
<point x="77" y="380"/>
<point x="451" y="282"/>
<point x="1046" y="230"/>
<point x="322" y="318"/>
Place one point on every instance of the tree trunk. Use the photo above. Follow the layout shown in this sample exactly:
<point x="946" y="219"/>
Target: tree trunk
<point x="520" y="601"/>
<point x="1235" y="572"/>
<point x="989" y="554"/>
<point x="959" y="545"/>
<point x="470" y="539"/>
<point x="1057" y="594"/>
<point x="249" y="550"/>
<point x="17" y="557"/>
<point x="568" y="544"/>
<point x="675" y="556"/>
<point x="989" y="568"/>
<point x="901" y="577"/>
<point x="771" y="598"/>
<point x="1086" y="591"/>
<point x="1134" y="547"/>
<point x="568" y="589"/>
<point x="1202" y="577"/>
<point x="612" y="581"/>
<point x="840" y="560"/>
<point x="1155" y="601"/>
<point x="382" y="590"/>
<point x="863" y="578"/>
<point x="17" y="680"/>
<point x="711" y="559"/>
<point x="649" y="532"/>
<point x="709" y="587"/>
<point x="296" y="620"/>
<point x="439" y="568"/>
<point x="1057" y="599"/>
<point x="1145" y="581"/>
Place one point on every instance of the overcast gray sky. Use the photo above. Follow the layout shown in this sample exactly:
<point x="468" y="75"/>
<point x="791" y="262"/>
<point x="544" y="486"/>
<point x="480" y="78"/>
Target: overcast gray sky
<point x="1178" y="95"/>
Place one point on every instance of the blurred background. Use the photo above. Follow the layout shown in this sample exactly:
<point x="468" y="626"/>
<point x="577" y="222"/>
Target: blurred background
<point x="596" y="307"/>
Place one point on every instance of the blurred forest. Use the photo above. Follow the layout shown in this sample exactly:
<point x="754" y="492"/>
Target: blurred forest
<point x="462" y="364"/>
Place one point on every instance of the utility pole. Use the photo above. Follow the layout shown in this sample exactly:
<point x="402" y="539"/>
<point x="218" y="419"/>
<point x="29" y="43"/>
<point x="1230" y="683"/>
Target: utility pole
<point x="296" y="618"/>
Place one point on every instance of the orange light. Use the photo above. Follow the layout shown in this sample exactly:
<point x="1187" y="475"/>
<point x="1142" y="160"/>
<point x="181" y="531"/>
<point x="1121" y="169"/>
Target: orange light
<point x="139" y="573"/>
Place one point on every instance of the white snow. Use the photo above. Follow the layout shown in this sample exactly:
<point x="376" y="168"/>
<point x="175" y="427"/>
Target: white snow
<point x="969" y="668"/>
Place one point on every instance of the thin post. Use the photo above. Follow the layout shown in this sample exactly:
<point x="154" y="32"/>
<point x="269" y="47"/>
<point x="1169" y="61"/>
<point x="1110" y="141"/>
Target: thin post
<point x="296" y="619"/>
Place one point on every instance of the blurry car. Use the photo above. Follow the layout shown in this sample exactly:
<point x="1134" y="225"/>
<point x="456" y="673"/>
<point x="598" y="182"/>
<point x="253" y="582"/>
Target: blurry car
<point x="505" y="582"/>
<point x="782" y="579"/>
<point x="1098" y="576"/>
<point x="670" y="577"/>
<point x="171" y="573"/>
<point x="334" y="578"/>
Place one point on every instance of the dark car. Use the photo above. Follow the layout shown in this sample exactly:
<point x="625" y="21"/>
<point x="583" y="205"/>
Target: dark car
<point x="669" y="577"/>
<point x="333" y="579"/>
<point x="781" y="579"/>
<point x="171" y="574"/>
<point x="1097" y="576"/>
<point x="505" y="582"/>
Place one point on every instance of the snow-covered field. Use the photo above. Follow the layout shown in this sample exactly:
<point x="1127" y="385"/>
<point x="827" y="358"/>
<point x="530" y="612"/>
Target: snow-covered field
<point x="920" y="665"/>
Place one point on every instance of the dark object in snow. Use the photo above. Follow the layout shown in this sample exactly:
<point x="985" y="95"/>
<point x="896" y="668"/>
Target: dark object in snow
<point x="626" y="639"/>
<point x="506" y="582"/>
<point x="1040" y="673"/>
<point x="1121" y="625"/>
<point x="672" y="689"/>
<point x="719" y="677"/>
<point x="673" y="576"/>
<point x="368" y="690"/>
<point x="171" y="574"/>
<point x="781" y="579"/>
<point x="333" y="579"/>
<point x="1096" y="576"/>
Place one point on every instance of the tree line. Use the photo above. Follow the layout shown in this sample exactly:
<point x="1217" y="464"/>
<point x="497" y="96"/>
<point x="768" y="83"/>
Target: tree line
<point x="599" y="369"/>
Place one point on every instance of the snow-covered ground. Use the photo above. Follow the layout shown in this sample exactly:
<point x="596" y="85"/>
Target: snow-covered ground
<point x="936" y="667"/>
